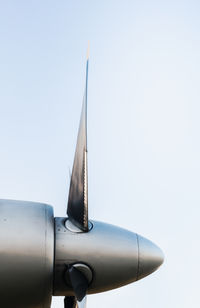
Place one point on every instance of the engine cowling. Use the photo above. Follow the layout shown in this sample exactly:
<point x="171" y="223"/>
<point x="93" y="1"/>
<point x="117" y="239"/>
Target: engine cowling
<point x="26" y="254"/>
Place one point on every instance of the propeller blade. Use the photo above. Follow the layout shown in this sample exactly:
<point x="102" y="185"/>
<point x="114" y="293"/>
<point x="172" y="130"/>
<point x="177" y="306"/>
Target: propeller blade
<point x="82" y="304"/>
<point x="77" y="209"/>
<point x="70" y="302"/>
<point x="79" y="282"/>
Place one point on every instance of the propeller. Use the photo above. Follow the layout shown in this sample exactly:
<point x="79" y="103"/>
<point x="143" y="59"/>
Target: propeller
<point x="111" y="255"/>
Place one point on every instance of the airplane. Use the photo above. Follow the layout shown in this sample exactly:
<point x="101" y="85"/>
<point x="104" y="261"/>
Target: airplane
<point x="43" y="256"/>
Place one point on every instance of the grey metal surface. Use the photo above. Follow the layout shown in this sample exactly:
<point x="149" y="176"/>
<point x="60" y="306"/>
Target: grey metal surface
<point x="78" y="193"/>
<point x="26" y="254"/>
<point x="116" y="256"/>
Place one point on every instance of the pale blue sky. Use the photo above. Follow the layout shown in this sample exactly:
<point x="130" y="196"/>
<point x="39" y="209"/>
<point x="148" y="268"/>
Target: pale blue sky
<point x="143" y="130"/>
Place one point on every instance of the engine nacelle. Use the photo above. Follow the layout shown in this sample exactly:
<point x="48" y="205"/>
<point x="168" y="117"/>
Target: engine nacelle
<point x="26" y="254"/>
<point x="31" y="272"/>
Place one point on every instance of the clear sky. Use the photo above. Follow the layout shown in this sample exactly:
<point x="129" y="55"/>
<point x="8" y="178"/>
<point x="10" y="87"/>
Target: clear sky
<point x="143" y="124"/>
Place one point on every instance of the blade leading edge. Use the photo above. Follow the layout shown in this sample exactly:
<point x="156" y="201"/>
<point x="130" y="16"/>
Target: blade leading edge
<point x="77" y="210"/>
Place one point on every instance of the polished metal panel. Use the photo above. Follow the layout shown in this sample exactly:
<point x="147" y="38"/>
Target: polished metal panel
<point x="78" y="193"/>
<point x="26" y="254"/>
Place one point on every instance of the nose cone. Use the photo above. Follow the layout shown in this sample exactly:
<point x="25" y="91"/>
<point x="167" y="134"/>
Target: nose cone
<point x="150" y="257"/>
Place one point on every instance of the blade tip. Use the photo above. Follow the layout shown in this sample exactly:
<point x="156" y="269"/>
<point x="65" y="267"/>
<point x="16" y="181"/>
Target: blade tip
<point x="88" y="50"/>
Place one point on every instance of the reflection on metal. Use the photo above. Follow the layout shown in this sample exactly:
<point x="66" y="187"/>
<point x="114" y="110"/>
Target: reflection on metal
<point x="71" y="227"/>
